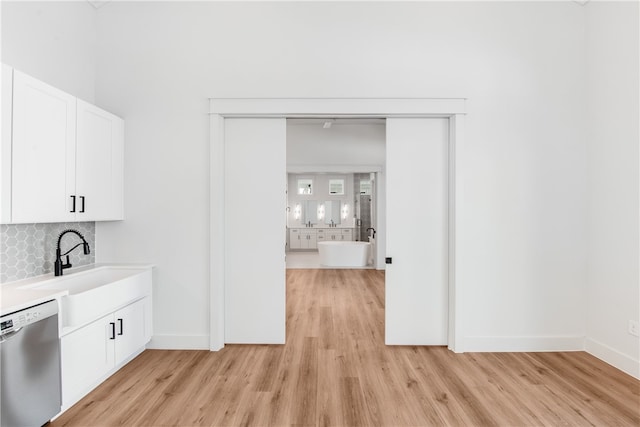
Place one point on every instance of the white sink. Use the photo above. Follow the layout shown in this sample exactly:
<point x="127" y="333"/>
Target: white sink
<point x="98" y="291"/>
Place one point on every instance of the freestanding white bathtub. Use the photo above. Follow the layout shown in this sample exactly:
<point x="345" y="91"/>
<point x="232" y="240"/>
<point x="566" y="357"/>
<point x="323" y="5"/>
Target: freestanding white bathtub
<point x="344" y="254"/>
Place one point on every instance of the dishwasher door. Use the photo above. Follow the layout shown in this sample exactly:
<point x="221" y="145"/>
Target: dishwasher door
<point x="30" y="383"/>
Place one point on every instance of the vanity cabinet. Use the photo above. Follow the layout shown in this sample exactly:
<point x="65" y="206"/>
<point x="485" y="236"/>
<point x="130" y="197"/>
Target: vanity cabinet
<point x="346" y="234"/>
<point x="63" y="160"/>
<point x="335" y="234"/>
<point x="303" y="238"/>
<point x="308" y="238"/>
<point x="93" y="352"/>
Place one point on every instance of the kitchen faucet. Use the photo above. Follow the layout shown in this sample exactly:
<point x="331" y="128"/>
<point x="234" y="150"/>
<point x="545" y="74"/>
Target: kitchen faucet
<point x="58" y="265"/>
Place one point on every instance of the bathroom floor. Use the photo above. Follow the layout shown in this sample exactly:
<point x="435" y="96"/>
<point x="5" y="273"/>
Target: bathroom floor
<point x="310" y="259"/>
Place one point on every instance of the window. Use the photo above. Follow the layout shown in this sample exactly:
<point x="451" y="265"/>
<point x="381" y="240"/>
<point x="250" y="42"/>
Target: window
<point x="365" y="187"/>
<point x="305" y="186"/>
<point x="336" y="187"/>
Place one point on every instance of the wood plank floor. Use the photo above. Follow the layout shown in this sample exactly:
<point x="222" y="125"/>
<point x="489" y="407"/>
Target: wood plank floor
<point x="336" y="371"/>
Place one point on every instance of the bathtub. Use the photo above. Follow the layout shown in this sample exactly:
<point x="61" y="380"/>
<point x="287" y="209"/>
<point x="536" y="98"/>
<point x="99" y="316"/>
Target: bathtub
<point x="344" y="254"/>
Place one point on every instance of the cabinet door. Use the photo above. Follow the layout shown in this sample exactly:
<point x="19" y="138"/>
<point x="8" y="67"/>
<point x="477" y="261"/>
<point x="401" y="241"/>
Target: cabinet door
<point x="87" y="356"/>
<point x="99" y="164"/>
<point x="130" y="330"/>
<point x="312" y="241"/>
<point x="43" y="157"/>
<point x="295" y="241"/>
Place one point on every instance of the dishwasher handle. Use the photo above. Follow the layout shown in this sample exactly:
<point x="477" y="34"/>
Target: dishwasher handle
<point x="9" y="335"/>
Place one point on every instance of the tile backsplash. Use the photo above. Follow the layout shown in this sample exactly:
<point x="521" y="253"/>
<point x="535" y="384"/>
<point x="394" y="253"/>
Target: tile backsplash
<point x="28" y="250"/>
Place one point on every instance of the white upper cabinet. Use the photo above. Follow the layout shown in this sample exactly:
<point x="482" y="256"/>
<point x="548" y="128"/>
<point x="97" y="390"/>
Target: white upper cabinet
<point x="43" y="152"/>
<point x="99" y="163"/>
<point x="66" y="157"/>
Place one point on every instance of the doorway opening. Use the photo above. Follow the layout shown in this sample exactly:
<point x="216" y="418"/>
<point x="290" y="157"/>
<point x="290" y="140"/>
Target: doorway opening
<point x="245" y="132"/>
<point x="333" y="168"/>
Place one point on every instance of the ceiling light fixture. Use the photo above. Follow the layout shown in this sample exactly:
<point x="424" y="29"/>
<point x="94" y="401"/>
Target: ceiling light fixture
<point x="326" y="125"/>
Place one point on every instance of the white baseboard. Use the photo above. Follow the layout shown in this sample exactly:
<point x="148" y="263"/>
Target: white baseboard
<point x="523" y="344"/>
<point x="613" y="357"/>
<point x="179" y="342"/>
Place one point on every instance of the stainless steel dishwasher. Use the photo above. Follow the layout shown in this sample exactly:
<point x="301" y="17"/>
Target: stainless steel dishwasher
<point x="30" y="366"/>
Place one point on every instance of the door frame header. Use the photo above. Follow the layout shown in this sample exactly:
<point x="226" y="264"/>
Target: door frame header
<point x="332" y="107"/>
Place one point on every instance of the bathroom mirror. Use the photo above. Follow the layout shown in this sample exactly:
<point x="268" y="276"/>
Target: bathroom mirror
<point x="310" y="211"/>
<point x="305" y="186"/>
<point x="332" y="212"/>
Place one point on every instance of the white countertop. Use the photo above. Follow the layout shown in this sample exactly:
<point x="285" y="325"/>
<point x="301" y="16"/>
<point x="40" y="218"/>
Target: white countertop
<point x="14" y="296"/>
<point x="321" y="228"/>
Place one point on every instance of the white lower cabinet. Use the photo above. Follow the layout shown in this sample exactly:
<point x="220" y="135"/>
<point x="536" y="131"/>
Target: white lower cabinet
<point x="303" y="238"/>
<point x="308" y="238"/>
<point x="130" y="331"/>
<point x="346" y="234"/>
<point x="333" y="234"/>
<point x="92" y="353"/>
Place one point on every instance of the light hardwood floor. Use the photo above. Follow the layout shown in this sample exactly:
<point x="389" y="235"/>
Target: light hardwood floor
<point x="336" y="371"/>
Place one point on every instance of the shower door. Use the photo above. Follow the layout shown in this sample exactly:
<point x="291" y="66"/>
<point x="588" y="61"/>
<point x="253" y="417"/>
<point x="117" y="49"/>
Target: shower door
<point x="416" y="284"/>
<point x="254" y="220"/>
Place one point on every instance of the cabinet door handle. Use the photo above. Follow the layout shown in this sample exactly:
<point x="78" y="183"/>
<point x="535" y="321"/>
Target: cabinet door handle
<point x="73" y="204"/>
<point x="82" y="205"/>
<point x="113" y="331"/>
<point x="120" y="323"/>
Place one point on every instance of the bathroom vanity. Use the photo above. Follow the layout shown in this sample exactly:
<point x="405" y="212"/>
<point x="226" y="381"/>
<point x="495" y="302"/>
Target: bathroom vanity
<point x="308" y="238"/>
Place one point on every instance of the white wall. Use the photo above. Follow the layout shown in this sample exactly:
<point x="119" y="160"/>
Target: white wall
<point x="52" y="41"/>
<point x="613" y="293"/>
<point x="522" y="168"/>
<point x="321" y="195"/>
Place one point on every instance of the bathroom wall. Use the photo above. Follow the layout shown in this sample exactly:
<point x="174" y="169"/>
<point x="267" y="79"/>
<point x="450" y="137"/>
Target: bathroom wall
<point x="320" y="194"/>
<point x="28" y="250"/>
